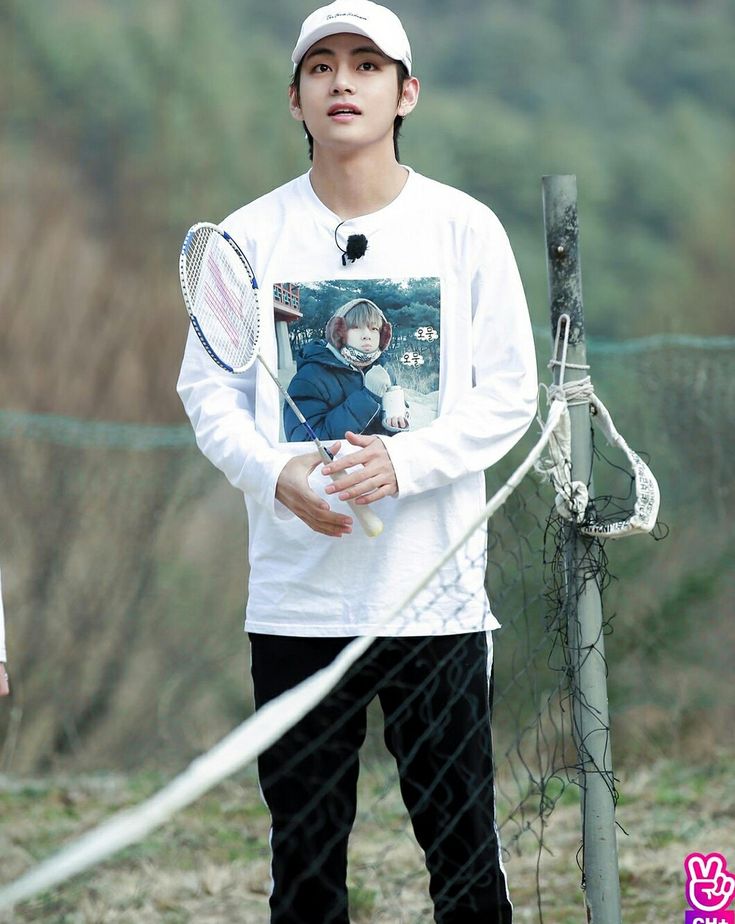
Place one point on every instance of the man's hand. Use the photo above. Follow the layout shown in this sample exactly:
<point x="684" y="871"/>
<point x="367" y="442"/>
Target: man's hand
<point x="375" y="476"/>
<point x="293" y="491"/>
<point x="4" y="682"/>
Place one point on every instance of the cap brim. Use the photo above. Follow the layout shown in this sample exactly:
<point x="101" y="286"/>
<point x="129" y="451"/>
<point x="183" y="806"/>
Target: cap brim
<point x="336" y="29"/>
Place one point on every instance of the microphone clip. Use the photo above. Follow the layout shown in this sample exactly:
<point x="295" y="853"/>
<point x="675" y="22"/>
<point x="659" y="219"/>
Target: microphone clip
<point x="357" y="244"/>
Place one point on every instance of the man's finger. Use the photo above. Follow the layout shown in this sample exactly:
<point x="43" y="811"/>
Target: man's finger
<point x="377" y="494"/>
<point x="341" y="465"/>
<point x="344" y="482"/>
<point x="364" y="486"/>
<point x="357" y="439"/>
<point x="356" y="459"/>
<point x="325" y="521"/>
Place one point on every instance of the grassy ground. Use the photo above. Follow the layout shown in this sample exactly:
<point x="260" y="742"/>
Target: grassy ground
<point x="210" y="864"/>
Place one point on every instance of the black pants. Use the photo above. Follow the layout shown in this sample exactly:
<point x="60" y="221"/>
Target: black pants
<point x="436" y="698"/>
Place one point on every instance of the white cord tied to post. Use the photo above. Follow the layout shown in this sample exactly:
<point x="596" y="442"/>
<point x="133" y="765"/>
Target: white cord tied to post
<point x="572" y="497"/>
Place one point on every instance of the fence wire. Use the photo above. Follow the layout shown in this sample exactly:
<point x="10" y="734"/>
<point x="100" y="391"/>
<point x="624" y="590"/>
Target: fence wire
<point x="112" y="553"/>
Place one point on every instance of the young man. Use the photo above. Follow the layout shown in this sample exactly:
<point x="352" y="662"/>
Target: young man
<point x="466" y="360"/>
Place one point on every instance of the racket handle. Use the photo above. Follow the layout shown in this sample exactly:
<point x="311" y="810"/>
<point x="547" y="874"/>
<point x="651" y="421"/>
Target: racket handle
<point x="370" y="521"/>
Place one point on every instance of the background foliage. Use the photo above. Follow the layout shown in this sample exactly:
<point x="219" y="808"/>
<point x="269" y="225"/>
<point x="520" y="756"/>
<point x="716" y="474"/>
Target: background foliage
<point x="123" y="122"/>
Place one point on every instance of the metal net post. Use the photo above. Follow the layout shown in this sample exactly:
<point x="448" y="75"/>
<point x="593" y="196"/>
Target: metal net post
<point x="584" y="635"/>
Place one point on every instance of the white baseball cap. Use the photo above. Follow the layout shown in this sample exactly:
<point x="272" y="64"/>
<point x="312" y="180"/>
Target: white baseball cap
<point x="362" y="17"/>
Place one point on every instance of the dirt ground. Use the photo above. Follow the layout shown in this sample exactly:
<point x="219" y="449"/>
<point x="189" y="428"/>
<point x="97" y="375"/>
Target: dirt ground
<point x="210" y="864"/>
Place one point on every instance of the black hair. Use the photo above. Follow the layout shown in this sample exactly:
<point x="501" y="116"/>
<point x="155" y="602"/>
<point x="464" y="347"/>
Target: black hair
<point x="403" y="75"/>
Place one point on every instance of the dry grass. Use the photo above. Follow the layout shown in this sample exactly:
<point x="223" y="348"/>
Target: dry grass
<point x="210" y="864"/>
<point x="93" y="324"/>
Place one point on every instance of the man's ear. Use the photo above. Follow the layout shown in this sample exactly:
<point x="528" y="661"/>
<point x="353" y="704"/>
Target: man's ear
<point x="409" y="96"/>
<point x="294" y="104"/>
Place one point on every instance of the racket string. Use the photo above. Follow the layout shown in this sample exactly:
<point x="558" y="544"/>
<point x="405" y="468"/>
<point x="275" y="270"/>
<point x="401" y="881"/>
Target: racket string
<point x="223" y="298"/>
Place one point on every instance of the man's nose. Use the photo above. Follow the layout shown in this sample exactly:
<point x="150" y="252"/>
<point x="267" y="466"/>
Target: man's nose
<point x="342" y="81"/>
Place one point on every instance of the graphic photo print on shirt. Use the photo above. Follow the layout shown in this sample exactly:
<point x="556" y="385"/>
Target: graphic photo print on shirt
<point x="358" y="354"/>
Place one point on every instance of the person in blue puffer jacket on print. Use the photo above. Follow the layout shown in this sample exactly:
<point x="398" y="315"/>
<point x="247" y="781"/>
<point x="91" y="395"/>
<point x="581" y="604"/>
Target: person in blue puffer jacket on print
<point x="340" y="382"/>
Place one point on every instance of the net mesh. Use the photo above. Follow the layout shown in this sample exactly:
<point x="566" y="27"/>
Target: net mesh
<point x="130" y="524"/>
<point x="406" y="698"/>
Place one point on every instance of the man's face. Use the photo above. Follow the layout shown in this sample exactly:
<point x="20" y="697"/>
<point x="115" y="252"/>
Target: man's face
<point x="365" y="338"/>
<point x="348" y="93"/>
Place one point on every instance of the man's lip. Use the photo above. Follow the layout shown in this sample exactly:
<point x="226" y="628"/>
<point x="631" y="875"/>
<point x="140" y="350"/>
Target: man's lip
<point x="343" y="107"/>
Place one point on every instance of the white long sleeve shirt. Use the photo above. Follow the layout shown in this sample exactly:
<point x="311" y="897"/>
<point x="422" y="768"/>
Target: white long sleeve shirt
<point x="483" y="396"/>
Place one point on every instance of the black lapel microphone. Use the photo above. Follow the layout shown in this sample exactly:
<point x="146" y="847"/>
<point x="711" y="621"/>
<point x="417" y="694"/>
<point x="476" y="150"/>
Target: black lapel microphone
<point x="357" y="244"/>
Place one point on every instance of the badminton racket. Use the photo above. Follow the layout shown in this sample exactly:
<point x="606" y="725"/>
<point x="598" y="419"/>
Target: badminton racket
<point x="221" y="296"/>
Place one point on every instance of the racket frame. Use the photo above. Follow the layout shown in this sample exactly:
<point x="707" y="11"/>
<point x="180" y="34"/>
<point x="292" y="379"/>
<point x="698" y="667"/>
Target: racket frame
<point x="368" y="519"/>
